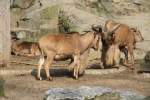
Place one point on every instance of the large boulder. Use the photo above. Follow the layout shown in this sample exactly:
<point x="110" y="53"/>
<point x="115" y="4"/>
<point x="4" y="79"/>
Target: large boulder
<point x="1" y="87"/>
<point x="147" y="57"/>
<point x="90" y="93"/>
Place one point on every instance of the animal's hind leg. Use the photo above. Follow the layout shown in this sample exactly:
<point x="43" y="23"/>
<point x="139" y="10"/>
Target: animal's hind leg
<point x="50" y="57"/>
<point x="41" y="62"/>
<point x="47" y="65"/>
<point x="132" y="67"/>
<point x="125" y="51"/>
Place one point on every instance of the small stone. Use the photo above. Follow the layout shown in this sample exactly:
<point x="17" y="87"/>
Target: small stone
<point x="147" y="57"/>
<point x="137" y="2"/>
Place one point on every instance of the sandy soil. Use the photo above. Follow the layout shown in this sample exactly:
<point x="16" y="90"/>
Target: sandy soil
<point x="26" y="87"/>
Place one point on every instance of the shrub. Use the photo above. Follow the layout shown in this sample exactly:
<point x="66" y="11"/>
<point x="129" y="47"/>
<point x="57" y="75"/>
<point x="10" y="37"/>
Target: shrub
<point x="65" y="24"/>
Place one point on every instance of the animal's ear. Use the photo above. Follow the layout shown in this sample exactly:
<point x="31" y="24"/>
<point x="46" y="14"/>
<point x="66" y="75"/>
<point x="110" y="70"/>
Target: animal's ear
<point x="94" y="28"/>
<point x="134" y="29"/>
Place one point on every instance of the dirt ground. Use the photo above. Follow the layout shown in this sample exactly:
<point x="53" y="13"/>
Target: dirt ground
<point x="26" y="87"/>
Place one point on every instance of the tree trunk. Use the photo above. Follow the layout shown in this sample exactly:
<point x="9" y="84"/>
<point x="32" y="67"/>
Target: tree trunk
<point x="5" y="41"/>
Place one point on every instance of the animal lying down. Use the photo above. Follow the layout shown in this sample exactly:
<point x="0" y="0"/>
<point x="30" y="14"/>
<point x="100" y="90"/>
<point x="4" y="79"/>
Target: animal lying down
<point x="24" y="48"/>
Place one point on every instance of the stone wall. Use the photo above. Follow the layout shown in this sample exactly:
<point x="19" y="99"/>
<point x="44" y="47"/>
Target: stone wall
<point x="4" y="32"/>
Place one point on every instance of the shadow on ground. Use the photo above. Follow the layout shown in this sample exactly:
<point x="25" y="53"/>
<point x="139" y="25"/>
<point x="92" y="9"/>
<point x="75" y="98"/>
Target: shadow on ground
<point x="53" y="72"/>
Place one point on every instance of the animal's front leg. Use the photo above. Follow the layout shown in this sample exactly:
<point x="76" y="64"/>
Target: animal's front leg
<point x="103" y="56"/>
<point x="71" y="66"/>
<point x="77" y="66"/>
<point x="83" y="62"/>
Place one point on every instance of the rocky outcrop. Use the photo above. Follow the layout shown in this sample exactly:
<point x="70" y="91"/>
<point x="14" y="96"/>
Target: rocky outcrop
<point x="90" y="93"/>
<point x="45" y="17"/>
<point x="147" y="57"/>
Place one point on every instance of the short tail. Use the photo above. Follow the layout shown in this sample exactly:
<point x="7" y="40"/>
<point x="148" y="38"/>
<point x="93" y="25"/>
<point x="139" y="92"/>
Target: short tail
<point x="40" y="50"/>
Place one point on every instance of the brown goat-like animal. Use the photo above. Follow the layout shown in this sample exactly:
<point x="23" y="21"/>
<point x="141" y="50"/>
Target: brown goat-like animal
<point x="62" y="47"/>
<point x="125" y="37"/>
<point x="25" y="48"/>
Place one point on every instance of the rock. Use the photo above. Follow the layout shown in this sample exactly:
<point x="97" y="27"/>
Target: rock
<point x="1" y="87"/>
<point x="90" y="93"/>
<point x="137" y="2"/>
<point x="108" y="96"/>
<point x="147" y="98"/>
<point x="145" y="63"/>
<point x="147" y="57"/>
<point x="22" y="34"/>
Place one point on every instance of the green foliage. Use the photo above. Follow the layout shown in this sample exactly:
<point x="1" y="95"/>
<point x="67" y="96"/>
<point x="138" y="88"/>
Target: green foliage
<point x="65" y="24"/>
<point x="50" y="12"/>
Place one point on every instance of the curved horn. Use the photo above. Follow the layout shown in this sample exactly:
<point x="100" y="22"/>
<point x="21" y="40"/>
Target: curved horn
<point x="114" y="28"/>
<point x="94" y="28"/>
<point x="109" y="32"/>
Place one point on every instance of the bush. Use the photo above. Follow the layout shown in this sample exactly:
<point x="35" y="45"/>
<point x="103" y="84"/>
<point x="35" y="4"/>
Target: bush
<point x="65" y="24"/>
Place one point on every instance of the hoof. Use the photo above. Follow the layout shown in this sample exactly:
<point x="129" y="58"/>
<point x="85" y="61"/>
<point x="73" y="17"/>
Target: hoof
<point x="81" y="74"/>
<point x="135" y="71"/>
<point x="49" y="79"/>
<point x="132" y="70"/>
<point x="76" y="77"/>
<point x="102" y="66"/>
<point x="39" y="78"/>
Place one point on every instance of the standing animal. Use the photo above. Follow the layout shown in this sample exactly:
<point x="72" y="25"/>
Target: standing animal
<point x="66" y="46"/>
<point x="125" y="37"/>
